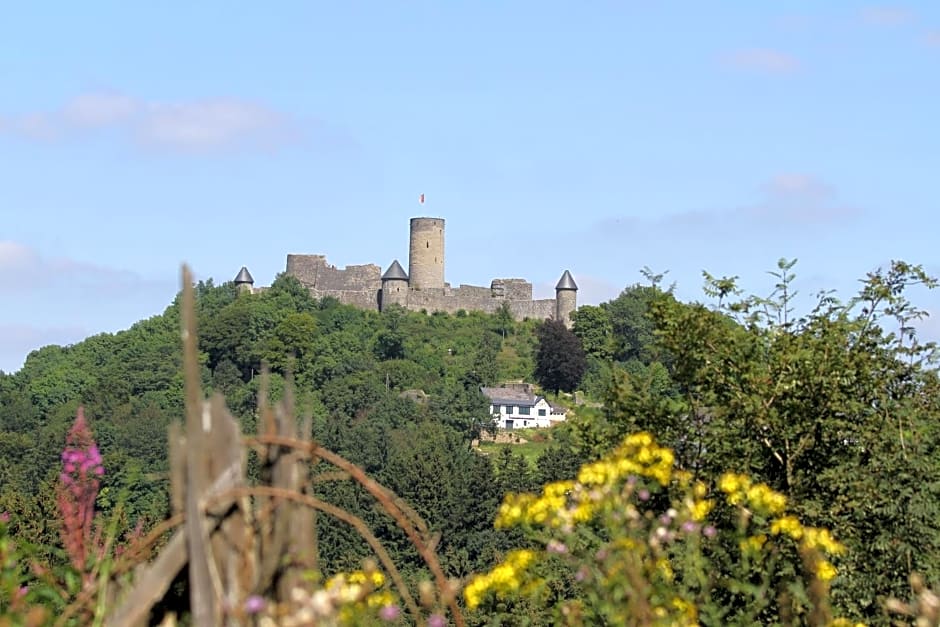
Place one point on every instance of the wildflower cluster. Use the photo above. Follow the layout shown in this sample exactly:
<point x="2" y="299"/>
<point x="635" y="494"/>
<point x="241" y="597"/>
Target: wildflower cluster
<point x="761" y="499"/>
<point x="564" y="504"/>
<point x="344" y="599"/>
<point x="79" y="483"/>
<point x="639" y="538"/>
<point x="503" y="580"/>
<point x="603" y="527"/>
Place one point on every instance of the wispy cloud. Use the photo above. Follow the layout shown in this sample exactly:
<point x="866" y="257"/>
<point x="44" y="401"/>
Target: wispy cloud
<point x="25" y="269"/>
<point x="762" y="60"/>
<point x="800" y="199"/>
<point x="187" y="126"/>
<point x="788" y="200"/>
<point x="886" y="15"/>
<point x="932" y="38"/>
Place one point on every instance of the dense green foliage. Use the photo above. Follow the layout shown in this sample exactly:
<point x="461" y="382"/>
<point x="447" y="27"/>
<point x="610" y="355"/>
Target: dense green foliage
<point x="559" y="361"/>
<point x="836" y="409"/>
<point x="350" y="368"/>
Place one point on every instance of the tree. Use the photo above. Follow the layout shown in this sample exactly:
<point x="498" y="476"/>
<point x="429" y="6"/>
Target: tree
<point x="835" y="409"/>
<point x="592" y="325"/>
<point x="559" y="360"/>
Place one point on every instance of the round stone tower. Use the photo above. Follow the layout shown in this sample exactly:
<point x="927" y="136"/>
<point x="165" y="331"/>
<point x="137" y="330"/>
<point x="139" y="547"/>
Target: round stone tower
<point x="394" y="286"/>
<point x="244" y="281"/>
<point x="566" y="298"/>
<point x="426" y="255"/>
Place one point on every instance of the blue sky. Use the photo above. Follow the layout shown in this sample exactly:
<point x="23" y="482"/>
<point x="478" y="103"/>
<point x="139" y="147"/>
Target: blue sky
<point x="598" y="136"/>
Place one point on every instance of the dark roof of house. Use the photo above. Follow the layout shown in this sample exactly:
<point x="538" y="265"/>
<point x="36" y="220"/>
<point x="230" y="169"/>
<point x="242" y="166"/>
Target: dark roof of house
<point x="566" y="282"/>
<point x="395" y="271"/>
<point x="510" y="396"/>
<point x="244" y="277"/>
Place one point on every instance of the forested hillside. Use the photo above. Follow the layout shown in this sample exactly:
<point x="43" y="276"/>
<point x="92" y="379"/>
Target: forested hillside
<point x="808" y="424"/>
<point x="349" y="369"/>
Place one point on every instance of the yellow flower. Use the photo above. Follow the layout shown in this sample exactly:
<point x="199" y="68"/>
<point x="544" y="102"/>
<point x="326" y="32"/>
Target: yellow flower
<point x="753" y="544"/>
<point x="761" y="497"/>
<point x="814" y="538"/>
<point x="664" y="568"/>
<point x="788" y="525"/>
<point x="826" y="571"/>
<point x="503" y="579"/>
<point x="700" y="509"/>
<point x="641" y="438"/>
<point x="731" y="483"/>
<point x="700" y="490"/>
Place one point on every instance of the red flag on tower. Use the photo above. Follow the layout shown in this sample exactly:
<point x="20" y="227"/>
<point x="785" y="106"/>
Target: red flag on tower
<point x="421" y="199"/>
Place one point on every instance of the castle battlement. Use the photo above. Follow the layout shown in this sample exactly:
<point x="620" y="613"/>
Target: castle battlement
<point x="423" y="287"/>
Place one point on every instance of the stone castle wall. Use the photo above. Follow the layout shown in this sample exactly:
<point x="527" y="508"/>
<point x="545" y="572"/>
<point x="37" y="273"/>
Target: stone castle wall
<point x="534" y="309"/>
<point x="512" y="289"/>
<point x="425" y="288"/>
<point x="314" y="271"/>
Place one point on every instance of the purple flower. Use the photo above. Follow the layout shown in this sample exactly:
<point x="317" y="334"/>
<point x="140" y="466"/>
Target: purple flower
<point x="710" y="532"/>
<point x="436" y="620"/>
<point x="643" y="495"/>
<point x="254" y="604"/>
<point x="581" y="575"/>
<point x="554" y="546"/>
<point x="389" y="612"/>
<point x="4" y="517"/>
<point x="689" y="526"/>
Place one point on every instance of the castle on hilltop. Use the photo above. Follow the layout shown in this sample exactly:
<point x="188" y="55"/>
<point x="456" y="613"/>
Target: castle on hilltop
<point x="423" y="286"/>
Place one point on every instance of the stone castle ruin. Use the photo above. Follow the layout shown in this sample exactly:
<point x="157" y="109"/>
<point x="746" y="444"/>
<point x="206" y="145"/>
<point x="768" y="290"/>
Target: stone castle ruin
<point x="423" y="286"/>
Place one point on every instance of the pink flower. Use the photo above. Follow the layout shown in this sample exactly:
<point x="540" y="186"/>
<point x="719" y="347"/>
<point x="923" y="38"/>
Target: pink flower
<point x="436" y="620"/>
<point x="554" y="546"/>
<point x="254" y="604"/>
<point x="389" y="612"/>
<point x="78" y="488"/>
<point x="4" y="517"/>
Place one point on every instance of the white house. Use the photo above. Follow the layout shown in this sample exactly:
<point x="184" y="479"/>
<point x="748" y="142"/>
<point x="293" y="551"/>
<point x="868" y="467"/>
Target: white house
<point x="517" y="407"/>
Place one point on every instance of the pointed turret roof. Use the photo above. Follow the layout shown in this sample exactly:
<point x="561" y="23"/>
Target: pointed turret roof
<point x="244" y="277"/>
<point x="395" y="271"/>
<point x="566" y="282"/>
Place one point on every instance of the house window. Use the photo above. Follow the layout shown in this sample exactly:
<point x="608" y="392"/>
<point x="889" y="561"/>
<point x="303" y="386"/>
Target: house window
<point x="541" y="412"/>
<point x="509" y="424"/>
<point x="494" y="409"/>
<point x="524" y="410"/>
<point x="507" y="409"/>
